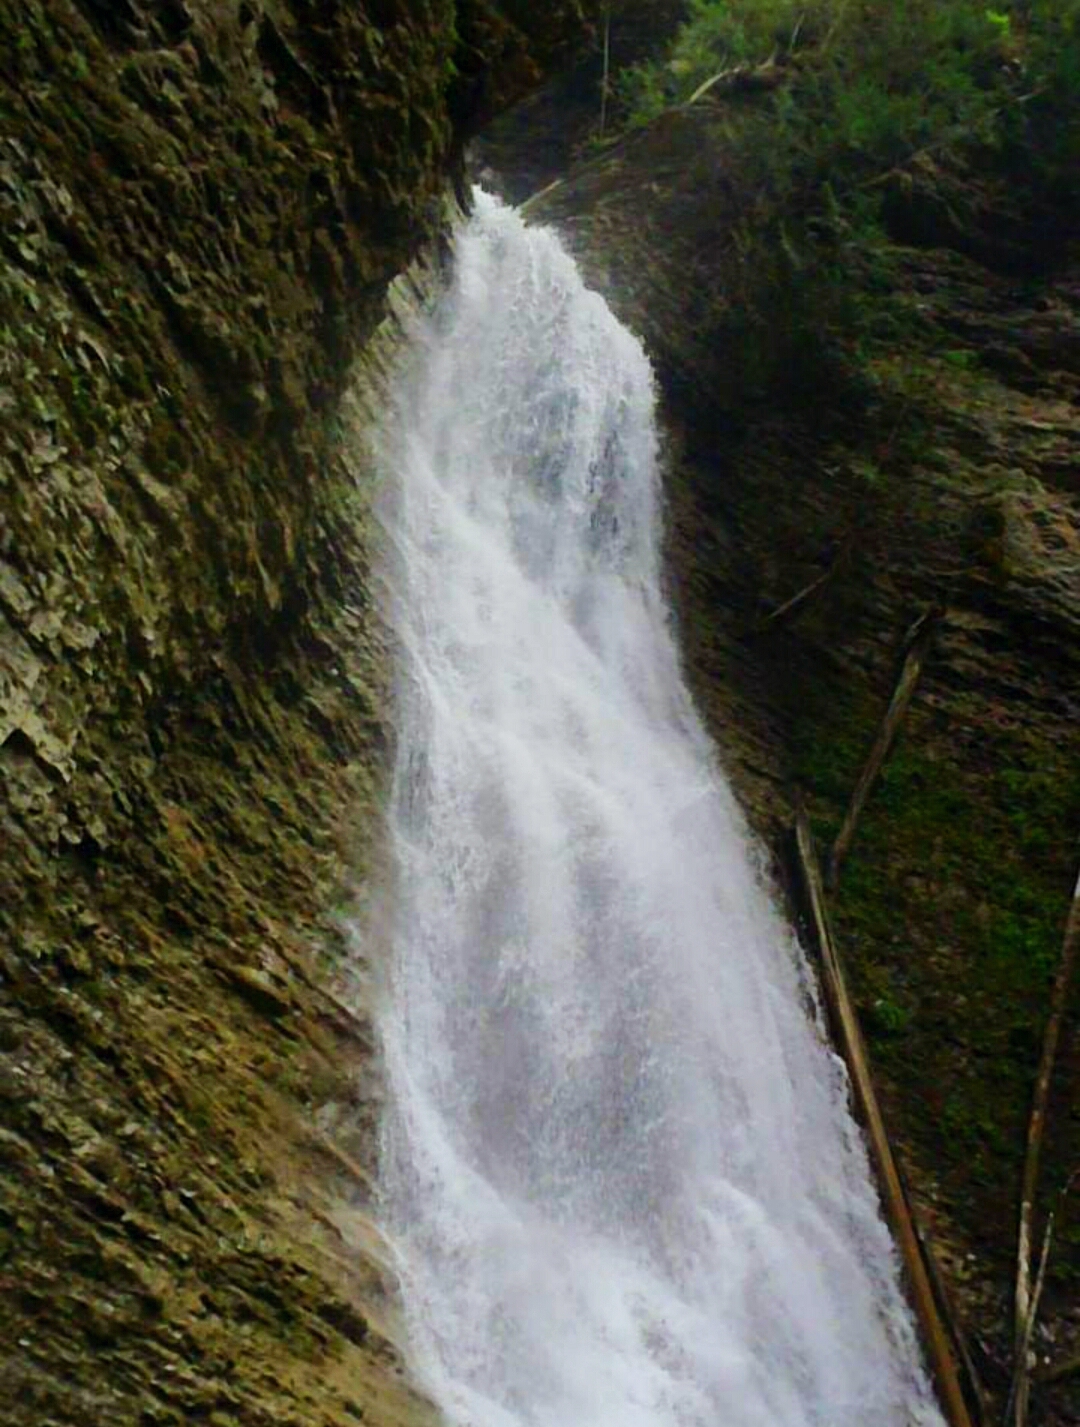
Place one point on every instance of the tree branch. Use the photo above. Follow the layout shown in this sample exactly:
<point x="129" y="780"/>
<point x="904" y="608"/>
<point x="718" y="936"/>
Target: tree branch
<point x="1033" y="1152"/>
<point x="917" y="645"/>
<point x="741" y="79"/>
<point x="790" y="608"/>
<point x="851" y="1044"/>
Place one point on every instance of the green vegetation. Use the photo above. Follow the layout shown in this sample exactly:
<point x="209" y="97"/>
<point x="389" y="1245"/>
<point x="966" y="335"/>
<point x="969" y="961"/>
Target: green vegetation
<point x="874" y="84"/>
<point x="945" y="122"/>
<point x="950" y="915"/>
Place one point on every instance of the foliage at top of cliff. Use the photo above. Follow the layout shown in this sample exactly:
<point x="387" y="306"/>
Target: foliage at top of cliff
<point x="861" y="88"/>
<point x="848" y="127"/>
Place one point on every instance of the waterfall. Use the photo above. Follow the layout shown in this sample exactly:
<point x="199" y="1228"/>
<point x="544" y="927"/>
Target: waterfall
<point x="620" y="1172"/>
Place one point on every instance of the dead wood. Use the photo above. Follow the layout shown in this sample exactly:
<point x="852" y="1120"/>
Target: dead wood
<point x="345" y="1020"/>
<point x="1020" y="1391"/>
<point x="978" y="1399"/>
<point x="798" y="601"/>
<point x="917" y="645"/>
<point x="1023" y="1301"/>
<point x="853" y="1048"/>
<point x="741" y="79"/>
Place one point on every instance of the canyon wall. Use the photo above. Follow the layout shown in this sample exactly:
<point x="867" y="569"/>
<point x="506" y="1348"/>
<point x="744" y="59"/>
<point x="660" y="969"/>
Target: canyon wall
<point x="202" y="208"/>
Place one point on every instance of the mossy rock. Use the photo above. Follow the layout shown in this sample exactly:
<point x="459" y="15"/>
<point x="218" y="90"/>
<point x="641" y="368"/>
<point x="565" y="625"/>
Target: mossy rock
<point x="201" y="209"/>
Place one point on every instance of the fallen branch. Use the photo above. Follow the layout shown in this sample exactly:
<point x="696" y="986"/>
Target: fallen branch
<point x="853" y="1049"/>
<point x="347" y="1021"/>
<point x="962" y="131"/>
<point x="1033" y="1153"/>
<point x="1052" y="1372"/>
<point x="541" y="193"/>
<point x="976" y="1396"/>
<point x="917" y="646"/>
<point x="1020" y="1391"/>
<point x="741" y="79"/>
<point x="344" y="1162"/>
<point x="790" y="608"/>
<point x="605" y="82"/>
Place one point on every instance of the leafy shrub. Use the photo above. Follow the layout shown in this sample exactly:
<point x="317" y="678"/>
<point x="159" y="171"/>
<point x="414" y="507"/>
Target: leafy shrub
<point x="871" y="84"/>
<point x="929" y="117"/>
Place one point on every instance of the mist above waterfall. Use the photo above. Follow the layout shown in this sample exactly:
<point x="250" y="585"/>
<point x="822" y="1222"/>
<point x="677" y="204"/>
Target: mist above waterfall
<point x="620" y="1171"/>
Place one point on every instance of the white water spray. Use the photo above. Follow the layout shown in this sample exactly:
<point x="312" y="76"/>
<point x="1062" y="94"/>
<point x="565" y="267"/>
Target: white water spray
<point x="620" y="1171"/>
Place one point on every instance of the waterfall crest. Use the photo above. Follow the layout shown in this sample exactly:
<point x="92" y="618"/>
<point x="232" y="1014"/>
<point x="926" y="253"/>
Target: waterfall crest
<point x="619" y="1172"/>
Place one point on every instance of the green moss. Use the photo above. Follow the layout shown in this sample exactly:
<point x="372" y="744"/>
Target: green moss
<point x="950" y="915"/>
<point x="200" y="210"/>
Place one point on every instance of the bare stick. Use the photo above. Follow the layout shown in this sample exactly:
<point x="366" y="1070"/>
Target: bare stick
<point x="348" y="1021"/>
<point x="345" y="1163"/>
<point x="976" y="1397"/>
<point x="790" y="608"/>
<point x="853" y="1049"/>
<point x="1020" y="1391"/>
<point x="959" y="132"/>
<point x="917" y="645"/>
<point x="741" y="78"/>
<point x="1037" y="1126"/>
<point x="607" y="69"/>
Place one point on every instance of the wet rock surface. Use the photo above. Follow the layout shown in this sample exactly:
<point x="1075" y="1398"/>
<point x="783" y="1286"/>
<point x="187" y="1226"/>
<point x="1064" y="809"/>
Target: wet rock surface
<point x="202" y="206"/>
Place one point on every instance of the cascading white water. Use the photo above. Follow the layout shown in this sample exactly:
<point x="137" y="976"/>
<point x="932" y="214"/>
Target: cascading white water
<point x="620" y="1172"/>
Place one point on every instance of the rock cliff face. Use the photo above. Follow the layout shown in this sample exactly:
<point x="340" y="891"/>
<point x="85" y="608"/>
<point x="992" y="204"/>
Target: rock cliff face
<point x="202" y="206"/>
<point x="540" y="139"/>
<point x="944" y="477"/>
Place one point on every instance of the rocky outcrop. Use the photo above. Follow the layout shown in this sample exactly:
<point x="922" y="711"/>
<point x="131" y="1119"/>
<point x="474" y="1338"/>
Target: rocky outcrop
<point x="933" y="468"/>
<point x="538" y="140"/>
<point x="202" y="207"/>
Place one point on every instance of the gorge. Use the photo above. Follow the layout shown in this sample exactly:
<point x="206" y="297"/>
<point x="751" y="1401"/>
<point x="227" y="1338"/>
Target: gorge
<point x="251" y="752"/>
